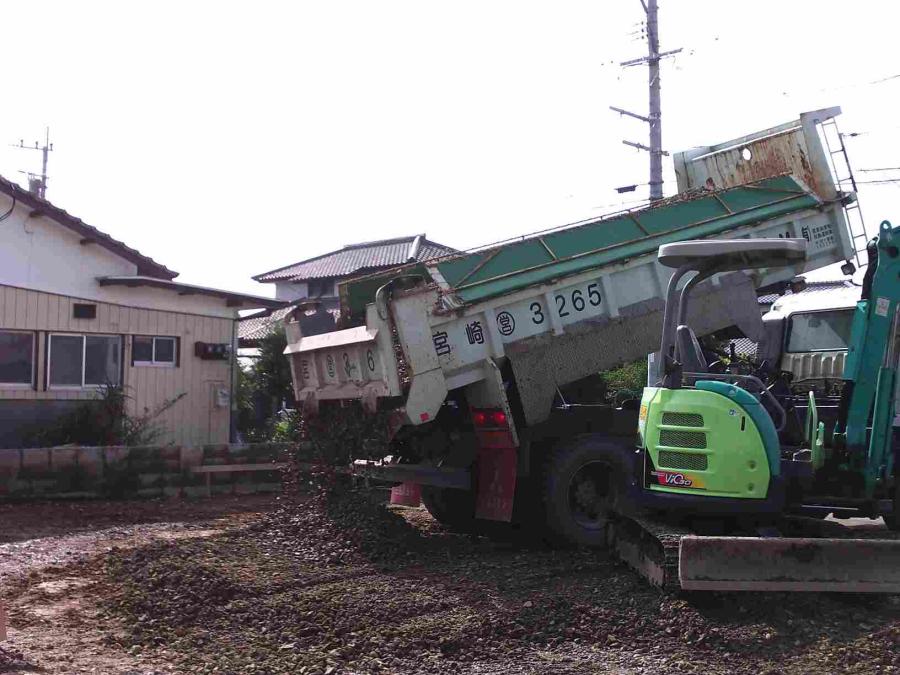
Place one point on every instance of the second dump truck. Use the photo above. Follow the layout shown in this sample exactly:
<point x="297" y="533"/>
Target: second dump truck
<point x="485" y="361"/>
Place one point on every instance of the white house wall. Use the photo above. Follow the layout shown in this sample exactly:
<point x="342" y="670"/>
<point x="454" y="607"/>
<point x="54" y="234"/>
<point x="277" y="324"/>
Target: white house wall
<point x="194" y="420"/>
<point x="289" y="292"/>
<point x="40" y="254"/>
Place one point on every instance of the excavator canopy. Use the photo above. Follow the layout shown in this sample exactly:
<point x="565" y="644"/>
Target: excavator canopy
<point x="732" y="253"/>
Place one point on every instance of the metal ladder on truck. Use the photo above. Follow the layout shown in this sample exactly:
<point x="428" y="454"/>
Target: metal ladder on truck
<point x="841" y="170"/>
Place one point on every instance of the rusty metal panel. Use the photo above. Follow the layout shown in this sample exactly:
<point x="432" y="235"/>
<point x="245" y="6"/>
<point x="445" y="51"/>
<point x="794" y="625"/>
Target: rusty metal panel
<point x="793" y="148"/>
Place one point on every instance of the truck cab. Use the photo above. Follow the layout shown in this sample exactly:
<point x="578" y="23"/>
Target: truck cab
<point x="806" y="335"/>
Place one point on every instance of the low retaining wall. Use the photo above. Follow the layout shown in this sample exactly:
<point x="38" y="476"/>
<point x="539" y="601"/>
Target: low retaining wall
<point x="152" y="471"/>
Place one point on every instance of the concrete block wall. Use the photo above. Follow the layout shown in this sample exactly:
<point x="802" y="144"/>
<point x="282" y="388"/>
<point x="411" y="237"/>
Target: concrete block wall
<point x="122" y="472"/>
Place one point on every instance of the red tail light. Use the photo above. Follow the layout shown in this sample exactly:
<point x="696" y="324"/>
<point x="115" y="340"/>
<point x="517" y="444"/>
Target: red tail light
<point x="489" y="418"/>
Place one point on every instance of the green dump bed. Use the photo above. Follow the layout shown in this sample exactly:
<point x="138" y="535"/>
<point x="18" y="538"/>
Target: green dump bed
<point x="514" y="266"/>
<point x="564" y="304"/>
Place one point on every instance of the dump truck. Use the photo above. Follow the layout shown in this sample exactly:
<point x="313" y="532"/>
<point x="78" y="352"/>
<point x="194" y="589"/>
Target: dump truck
<point x="484" y="361"/>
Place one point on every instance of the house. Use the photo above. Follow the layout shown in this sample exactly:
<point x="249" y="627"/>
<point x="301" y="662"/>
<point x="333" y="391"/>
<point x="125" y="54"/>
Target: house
<point x="80" y="310"/>
<point x="318" y="278"/>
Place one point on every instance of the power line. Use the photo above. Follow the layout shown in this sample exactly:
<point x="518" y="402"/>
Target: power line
<point x="887" y="168"/>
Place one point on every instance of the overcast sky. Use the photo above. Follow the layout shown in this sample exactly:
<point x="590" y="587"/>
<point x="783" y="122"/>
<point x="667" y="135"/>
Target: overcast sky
<point x="225" y="139"/>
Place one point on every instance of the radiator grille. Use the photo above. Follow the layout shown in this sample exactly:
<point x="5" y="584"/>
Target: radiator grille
<point x="682" y="439"/>
<point x="678" y="419"/>
<point x="682" y="460"/>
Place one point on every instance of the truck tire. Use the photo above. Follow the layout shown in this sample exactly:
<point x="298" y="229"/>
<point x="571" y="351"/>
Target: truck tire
<point x="453" y="508"/>
<point x="582" y="483"/>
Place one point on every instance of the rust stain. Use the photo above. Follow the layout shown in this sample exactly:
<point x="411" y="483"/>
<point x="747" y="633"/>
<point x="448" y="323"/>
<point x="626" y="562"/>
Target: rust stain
<point x="769" y="157"/>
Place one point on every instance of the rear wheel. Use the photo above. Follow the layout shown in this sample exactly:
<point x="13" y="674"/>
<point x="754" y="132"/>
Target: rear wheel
<point x="583" y="481"/>
<point x="453" y="508"/>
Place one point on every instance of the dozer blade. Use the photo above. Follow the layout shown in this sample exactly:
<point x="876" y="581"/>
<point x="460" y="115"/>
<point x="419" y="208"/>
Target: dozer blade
<point x="789" y="564"/>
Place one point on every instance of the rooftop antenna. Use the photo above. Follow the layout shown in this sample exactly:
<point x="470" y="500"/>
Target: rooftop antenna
<point x="654" y="119"/>
<point x="37" y="183"/>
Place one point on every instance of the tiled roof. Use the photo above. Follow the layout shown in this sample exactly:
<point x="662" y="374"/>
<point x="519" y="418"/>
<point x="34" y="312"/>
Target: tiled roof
<point x="355" y="258"/>
<point x="90" y="234"/>
<point x="257" y="326"/>
<point x="232" y="298"/>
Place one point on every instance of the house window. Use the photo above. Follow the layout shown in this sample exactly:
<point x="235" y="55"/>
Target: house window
<point x="16" y="358"/>
<point x="75" y="361"/>
<point x="148" y="350"/>
<point x="320" y="288"/>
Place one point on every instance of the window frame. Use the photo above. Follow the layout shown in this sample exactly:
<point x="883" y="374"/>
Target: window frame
<point x="176" y="353"/>
<point x="82" y="386"/>
<point x="830" y="310"/>
<point x="34" y="357"/>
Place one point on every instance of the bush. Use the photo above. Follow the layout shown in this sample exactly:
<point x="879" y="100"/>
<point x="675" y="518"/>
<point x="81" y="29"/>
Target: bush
<point x="626" y="381"/>
<point x="103" y="421"/>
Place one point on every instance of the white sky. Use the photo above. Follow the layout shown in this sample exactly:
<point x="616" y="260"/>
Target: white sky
<point x="225" y="139"/>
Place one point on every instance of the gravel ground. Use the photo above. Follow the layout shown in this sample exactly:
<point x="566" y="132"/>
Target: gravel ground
<point x="342" y="585"/>
<point x="45" y="548"/>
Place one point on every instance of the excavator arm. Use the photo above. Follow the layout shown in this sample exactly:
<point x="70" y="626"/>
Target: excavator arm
<point x="871" y="367"/>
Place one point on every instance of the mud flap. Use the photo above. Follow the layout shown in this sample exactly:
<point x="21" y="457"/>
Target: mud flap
<point x="496" y="483"/>
<point x="406" y="494"/>
<point x="789" y="564"/>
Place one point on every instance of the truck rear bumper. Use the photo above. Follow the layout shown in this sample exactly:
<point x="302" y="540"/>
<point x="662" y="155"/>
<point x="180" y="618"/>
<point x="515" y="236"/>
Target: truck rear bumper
<point x="422" y="474"/>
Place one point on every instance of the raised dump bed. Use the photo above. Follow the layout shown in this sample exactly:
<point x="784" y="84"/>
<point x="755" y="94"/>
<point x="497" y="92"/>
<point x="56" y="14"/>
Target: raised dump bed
<point x="558" y="306"/>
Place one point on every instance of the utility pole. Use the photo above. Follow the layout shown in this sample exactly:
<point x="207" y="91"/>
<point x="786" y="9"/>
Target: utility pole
<point x="654" y="118"/>
<point x="38" y="183"/>
<point x="655" y="112"/>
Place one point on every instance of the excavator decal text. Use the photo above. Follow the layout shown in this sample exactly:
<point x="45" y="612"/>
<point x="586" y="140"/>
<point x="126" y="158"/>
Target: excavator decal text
<point x="677" y="479"/>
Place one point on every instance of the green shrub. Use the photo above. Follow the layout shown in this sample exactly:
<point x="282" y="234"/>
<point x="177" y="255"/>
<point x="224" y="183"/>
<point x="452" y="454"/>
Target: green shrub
<point x="103" y="421"/>
<point x="626" y="381"/>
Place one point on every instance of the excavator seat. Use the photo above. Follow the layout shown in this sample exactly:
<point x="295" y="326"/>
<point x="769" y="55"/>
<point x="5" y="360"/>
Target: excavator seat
<point x="688" y="351"/>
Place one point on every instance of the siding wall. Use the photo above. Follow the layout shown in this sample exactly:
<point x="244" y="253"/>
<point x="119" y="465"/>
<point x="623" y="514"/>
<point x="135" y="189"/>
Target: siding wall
<point x="194" y="420"/>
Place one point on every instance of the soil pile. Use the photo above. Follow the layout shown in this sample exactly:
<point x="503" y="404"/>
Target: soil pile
<point x="341" y="584"/>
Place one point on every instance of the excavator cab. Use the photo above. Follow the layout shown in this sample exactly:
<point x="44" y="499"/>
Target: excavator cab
<point x="710" y="440"/>
<point x="709" y="447"/>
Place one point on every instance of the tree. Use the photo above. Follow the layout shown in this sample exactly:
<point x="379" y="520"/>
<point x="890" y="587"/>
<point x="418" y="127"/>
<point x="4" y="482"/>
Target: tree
<point x="265" y="388"/>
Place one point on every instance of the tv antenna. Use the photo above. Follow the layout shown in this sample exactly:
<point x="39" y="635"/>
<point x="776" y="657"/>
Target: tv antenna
<point x="37" y="183"/>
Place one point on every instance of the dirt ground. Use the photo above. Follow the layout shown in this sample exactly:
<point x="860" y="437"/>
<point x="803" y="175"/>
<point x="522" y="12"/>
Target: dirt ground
<point x="344" y="585"/>
<point x="45" y="553"/>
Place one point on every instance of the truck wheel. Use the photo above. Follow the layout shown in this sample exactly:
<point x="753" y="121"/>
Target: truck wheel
<point x="453" y="508"/>
<point x="582" y="482"/>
